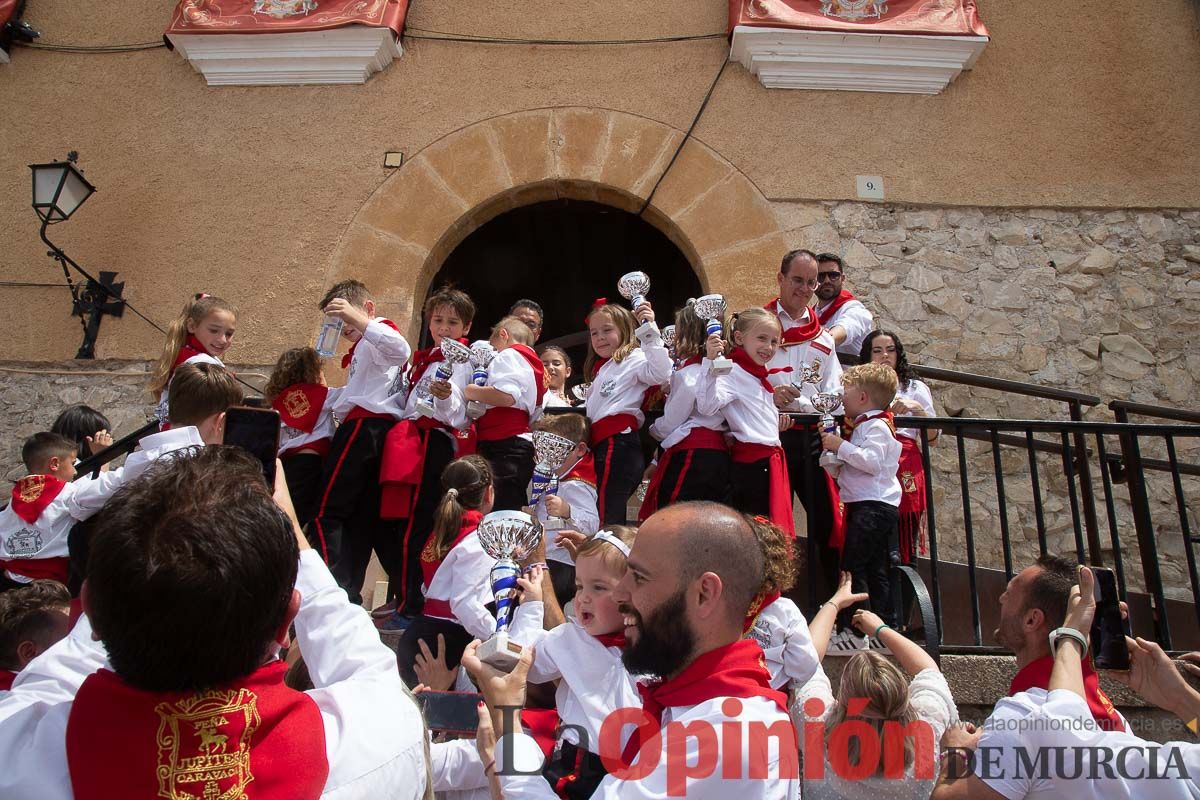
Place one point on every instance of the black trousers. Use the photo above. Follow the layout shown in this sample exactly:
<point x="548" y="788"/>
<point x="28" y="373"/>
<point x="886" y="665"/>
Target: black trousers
<point x="512" y="469"/>
<point x="414" y="532"/>
<point x="750" y="487"/>
<point x="562" y="576"/>
<point x="809" y="484"/>
<point x="700" y="474"/>
<point x="871" y="533"/>
<point x="426" y="629"/>
<point x="303" y="472"/>
<point x="347" y="525"/>
<point x="619" y="467"/>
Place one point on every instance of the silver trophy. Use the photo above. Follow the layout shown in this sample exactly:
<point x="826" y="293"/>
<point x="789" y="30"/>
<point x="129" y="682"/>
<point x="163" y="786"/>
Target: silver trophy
<point x="668" y="337"/>
<point x="481" y="357"/>
<point x="633" y="287"/>
<point x="825" y="403"/>
<point x="508" y="537"/>
<point x="580" y="391"/>
<point x="551" y="451"/>
<point x="807" y="373"/>
<point x="711" y="307"/>
<point x="453" y="353"/>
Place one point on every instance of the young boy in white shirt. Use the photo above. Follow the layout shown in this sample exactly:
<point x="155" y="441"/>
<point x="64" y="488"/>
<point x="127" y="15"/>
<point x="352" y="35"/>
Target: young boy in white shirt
<point x="867" y="481"/>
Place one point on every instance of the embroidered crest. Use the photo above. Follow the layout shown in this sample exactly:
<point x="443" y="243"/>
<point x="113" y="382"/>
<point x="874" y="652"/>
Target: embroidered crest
<point x="31" y="487"/>
<point x="204" y="745"/>
<point x="296" y="403"/>
<point x="429" y="554"/>
<point x="908" y="482"/>
<point x="25" y="543"/>
<point x="607" y="388"/>
<point x="854" y="9"/>
<point x="284" y="8"/>
<point x="760" y="634"/>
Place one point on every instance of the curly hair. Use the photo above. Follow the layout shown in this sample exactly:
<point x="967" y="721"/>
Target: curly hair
<point x="779" y="563"/>
<point x="298" y="365"/>
<point x="904" y="371"/>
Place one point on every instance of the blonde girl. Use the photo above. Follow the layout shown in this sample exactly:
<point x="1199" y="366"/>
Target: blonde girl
<point x="623" y="363"/>
<point x="202" y="333"/>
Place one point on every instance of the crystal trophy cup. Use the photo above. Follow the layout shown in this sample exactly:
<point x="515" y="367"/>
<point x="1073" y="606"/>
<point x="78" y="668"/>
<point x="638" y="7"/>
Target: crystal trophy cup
<point x="668" y="337"/>
<point x="711" y="307"/>
<point x="825" y="403"/>
<point x="481" y="357"/>
<point x="633" y="286"/>
<point x="551" y="451"/>
<point x="453" y="353"/>
<point x="327" y="337"/>
<point x="508" y="537"/>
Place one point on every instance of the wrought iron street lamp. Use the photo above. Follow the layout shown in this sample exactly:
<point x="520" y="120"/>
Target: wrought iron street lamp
<point x="59" y="189"/>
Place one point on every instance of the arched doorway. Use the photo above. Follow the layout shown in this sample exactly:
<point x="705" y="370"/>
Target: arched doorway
<point x="564" y="254"/>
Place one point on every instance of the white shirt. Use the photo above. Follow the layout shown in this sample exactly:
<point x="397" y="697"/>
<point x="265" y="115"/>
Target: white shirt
<point x="162" y="408"/>
<point x="457" y="770"/>
<point x="296" y="439"/>
<point x="375" y="376"/>
<point x="46" y="537"/>
<point x="855" y="319"/>
<point x="373" y="729"/>
<point x="928" y="696"/>
<point x="869" y="462"/>
<point x="1035" y="721"/>
<point x="782" y="632"/>
<point x="658" y="784"/>
<point x="452" y="410"/>
<point x="554" y="400"/>
<point x="463" y="581"/>
<point x="512" y="374"/>
<point x="585" y="517"/>
<point x="620" y="387"/>
<point x="680" y="415"/>
<point x="739" y="397"/>
<point x="817" y="351"/>
<point x="918" y="392"/>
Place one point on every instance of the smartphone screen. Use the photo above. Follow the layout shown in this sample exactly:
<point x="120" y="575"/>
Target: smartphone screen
<point x="1109" y="649"/>
<point x="257" y="431"/>
<point x="452" y="712"/>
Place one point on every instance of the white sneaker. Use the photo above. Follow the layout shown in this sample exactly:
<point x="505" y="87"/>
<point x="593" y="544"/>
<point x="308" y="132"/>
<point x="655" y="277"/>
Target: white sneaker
<point x="845" y="643"/>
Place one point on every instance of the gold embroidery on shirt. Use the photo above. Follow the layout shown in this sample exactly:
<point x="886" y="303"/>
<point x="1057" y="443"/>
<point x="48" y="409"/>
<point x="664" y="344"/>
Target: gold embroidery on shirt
<point x="296" y="403"/>
<point x="201" y="755"/>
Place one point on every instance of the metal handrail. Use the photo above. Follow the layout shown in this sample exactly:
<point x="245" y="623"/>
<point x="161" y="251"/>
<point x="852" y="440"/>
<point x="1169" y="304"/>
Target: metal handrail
<point x="1124" y="407"/>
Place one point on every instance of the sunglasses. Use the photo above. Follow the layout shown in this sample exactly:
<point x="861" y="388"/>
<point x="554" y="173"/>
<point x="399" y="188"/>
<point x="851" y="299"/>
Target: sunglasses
<point x="828" y="276"/>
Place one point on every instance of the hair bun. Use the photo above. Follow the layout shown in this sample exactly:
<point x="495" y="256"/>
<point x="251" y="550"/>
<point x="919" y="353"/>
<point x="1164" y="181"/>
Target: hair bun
<point x="452" y="493"/>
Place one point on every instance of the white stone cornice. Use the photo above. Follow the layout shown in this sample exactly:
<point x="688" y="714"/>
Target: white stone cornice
<point x="341" y="55"/>
<point x="785" y="58"/>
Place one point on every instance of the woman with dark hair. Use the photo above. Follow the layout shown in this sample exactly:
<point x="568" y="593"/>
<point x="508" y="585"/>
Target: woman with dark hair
<point x="83" y="425"/>
<point x="913" y="398"/>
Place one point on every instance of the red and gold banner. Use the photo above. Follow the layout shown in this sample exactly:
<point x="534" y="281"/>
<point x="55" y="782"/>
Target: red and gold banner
<point x="291" y="16"/>
<point x="927" y="17"/>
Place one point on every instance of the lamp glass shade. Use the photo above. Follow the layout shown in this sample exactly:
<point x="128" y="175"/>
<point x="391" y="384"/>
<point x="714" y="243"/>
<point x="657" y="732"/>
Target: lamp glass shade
<point x="58" y="190"/>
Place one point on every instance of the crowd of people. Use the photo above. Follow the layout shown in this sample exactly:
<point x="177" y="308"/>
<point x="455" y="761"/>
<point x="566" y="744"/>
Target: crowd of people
<point x="180" y="627"/>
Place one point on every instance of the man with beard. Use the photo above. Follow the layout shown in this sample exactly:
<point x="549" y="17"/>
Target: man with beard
<point x="711" y="726"/>
<point x="1033" y="604"/>
<point x="840" y="313"/>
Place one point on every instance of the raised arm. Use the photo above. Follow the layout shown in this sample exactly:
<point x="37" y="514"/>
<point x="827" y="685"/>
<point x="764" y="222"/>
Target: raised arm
<point x="657" y="369"/>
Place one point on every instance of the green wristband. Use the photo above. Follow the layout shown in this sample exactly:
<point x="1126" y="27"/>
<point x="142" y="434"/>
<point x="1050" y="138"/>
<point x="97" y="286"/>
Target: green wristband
<point x="881" y="627"/>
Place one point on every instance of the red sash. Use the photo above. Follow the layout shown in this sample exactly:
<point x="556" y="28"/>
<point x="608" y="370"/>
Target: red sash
<point x="430" y="562"/>
<point x="837" y="530"/>
<point x="697" y="439"/>
<point x="797" y="334"/>
<point x="501" y="422"/>
<point x="911" y="474"/>
<point x="584" y="470"/>
<point x="401" y="465"/>
<point x="346" y="359"/>
<point x="1036" y="675"/>
<point x="611" y="425"/>
<point x="192" y="347"/>
<point x="300" y="405"/>
<point x="743" y="360"/>
<point x="55" y="568"/>
<point x="781" y="487"/>
<point x="737" y="669"/>
<point x="253" y="737"/>
<point x="7" y="676"/>
<point x="832" y="309"/>
<point x="318" y="446"/>
<point x="32" y="494"/>
<point x="757" y="607"/>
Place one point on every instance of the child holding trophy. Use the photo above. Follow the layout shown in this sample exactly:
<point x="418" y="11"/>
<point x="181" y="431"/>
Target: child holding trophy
<point x="695" y="460"/>
<point x="744" y="397"/>
<point x="424" y="442"/>
<point x="622" y="365"/>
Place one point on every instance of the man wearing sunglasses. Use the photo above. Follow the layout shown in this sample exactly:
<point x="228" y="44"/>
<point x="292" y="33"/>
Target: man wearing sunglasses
<point x="838" y="311"/>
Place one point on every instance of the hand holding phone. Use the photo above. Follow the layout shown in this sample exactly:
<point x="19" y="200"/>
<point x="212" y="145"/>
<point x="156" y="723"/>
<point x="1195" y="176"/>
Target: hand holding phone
<point x="1109" y="628"/>
<point x="452" y="712"/>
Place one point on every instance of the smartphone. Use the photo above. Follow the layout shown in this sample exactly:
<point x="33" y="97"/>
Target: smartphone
<point x="452" y="712"/>
<point x="257" y="431"/>
<point x="1109" y="629"/>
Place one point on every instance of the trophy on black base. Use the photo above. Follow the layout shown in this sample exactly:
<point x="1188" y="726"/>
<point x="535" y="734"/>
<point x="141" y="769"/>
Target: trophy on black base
<point x="507" y="536"/>
<point x="453" y="352"/>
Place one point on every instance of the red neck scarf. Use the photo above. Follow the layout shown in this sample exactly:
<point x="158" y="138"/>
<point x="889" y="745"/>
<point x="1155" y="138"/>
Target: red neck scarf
<point x="886" y="416"/>
<point x="1036" y="675"/>
<point x="597" y="364"/>
<point x="300" y="405"/>
<point x="803" y="332"/>
<point x="757" y="607"/>
<point x="7" y="676"/>
<point x="737" y="669"/>
<point x="743" y="360"/>
<point x="832" y="309"/>
<point x="192" y="347"/>
<point x="32" y="494"/>
<point x="539" y="369"/>
<point x="252" y="737"/>
<point x="612" y="639"/>
<point x="346" y="359"/>
<point x="422" y="359"/>
<point x="584" y="470"/>
<point x="690" y="361"/>
<point x="429" y="557"/>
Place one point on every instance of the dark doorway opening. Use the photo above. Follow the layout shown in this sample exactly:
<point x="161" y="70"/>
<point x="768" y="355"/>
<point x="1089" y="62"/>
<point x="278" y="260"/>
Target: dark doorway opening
<point x="564" y="254"/>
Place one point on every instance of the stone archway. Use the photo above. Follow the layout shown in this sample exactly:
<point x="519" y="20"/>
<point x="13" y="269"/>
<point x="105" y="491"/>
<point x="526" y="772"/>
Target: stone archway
<point x="715" y="215"/>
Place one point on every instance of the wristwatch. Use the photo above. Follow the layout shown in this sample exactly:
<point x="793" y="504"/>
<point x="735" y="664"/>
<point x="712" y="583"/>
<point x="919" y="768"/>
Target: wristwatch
<point x="1068" y="633"/>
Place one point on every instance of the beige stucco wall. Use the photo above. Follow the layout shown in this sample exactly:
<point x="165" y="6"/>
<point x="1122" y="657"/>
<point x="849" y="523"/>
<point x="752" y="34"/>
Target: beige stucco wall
<point x="250" y="192"/>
